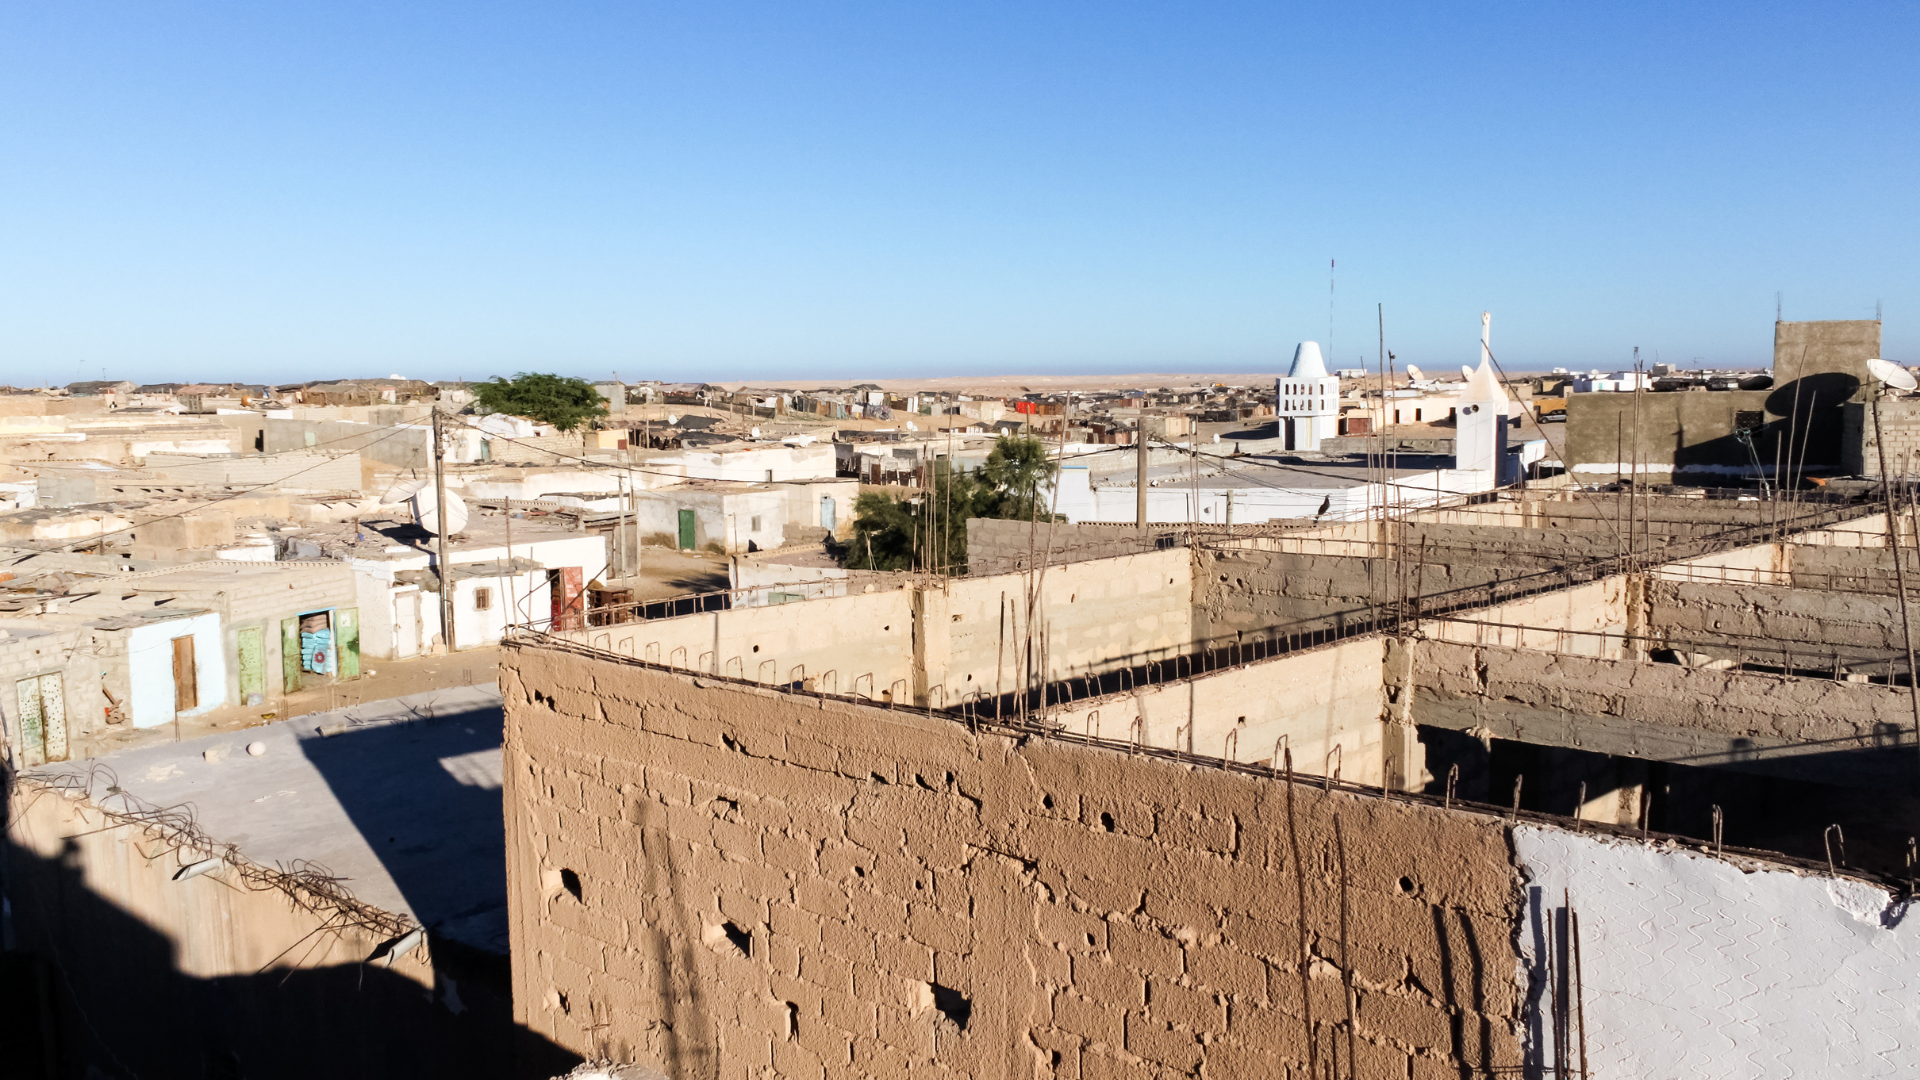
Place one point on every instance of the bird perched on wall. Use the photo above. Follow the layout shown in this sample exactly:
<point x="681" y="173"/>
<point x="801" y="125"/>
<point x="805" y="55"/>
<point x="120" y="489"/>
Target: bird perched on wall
<point x="1326" y="504"/>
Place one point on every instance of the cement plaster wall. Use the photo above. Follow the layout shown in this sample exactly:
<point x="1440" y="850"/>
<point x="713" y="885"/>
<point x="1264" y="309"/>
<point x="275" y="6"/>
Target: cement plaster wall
<point x="1699" y="967"/>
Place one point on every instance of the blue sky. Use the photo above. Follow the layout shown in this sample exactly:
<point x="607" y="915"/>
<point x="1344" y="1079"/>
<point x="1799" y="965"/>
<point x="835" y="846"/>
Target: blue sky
<point x="814" y="191"/>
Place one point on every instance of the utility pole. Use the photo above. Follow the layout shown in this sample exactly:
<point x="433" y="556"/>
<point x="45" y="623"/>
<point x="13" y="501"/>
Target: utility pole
<point x="440" y="532"/>
<point x="1140" y="471"/>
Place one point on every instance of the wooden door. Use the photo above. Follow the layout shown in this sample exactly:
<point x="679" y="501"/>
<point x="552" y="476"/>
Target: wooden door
<point x="686" y="530"/>
<point x="186" y="683"/>
<point x="251" y="646"/>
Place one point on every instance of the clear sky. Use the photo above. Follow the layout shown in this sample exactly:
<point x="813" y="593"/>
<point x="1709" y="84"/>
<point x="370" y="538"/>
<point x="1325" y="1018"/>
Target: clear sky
<point x="285" y="190"/>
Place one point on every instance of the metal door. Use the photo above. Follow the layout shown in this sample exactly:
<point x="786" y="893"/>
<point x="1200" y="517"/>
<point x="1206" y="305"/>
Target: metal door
<point x="53" y="710"/>
<point x="686" y="530"/>
<point x="252" y="648"/>
<point x="406" y="624"/>
<point x="186" y="679"/>
<point x="33" y="743"/>
<point x="826" y="512"/>
<point x="289" y="655"/>
<point x="346" y="641"/>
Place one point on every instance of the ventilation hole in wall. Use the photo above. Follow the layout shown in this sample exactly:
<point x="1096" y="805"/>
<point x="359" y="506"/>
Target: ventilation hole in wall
<point x="1071" y="597"/>
<point x="949" y="779"/>
<point x="570" y="881"/>
<point x="1046" y="801"/>
<point x="740" y="938"/>
<point x="1090" y="941"/>
<point x="1223" y="580"/>
<point x="1106" y="821"/>
<point x="953" y="1005"/>
<point x="919" y="885"/>
<point x="756" y="648"/>
<point x="1055" y="1055"/>
<point x="793" y="1020"/>
<point x="1406" y="884"/>
<point x="969" y="678"/>
<point x="956" y="618"/>
<point x="859" y="871"/>
<point x="730" y="743"/>
<point x="886" y="628"/>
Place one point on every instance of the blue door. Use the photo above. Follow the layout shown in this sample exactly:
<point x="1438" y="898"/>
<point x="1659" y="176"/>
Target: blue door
<point x="826" y="512"/>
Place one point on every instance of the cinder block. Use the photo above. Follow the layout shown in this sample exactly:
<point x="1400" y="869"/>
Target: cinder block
<point x="1145" y="949"/>
<point x="1153" y="1040"/>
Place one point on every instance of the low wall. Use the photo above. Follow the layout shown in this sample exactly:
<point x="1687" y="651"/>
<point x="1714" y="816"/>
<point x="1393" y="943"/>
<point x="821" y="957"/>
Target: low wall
<point x="227" y="974"/>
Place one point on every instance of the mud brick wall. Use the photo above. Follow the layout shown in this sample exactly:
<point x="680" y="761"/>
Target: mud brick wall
<point x="1808" y="622"/>
<point x="730" y="882"/>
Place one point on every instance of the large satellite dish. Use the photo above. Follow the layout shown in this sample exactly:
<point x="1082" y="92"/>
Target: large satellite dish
<point x="1892" y="374"/>
<point x="426" y="512"/>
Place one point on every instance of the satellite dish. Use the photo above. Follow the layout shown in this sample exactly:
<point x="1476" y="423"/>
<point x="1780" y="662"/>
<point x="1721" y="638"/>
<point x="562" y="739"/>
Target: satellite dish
<point x="403" y="490"/>
<point x="1466" y="372"/>
<point x="427" y="515"/>
<point x="1892" y="374"/>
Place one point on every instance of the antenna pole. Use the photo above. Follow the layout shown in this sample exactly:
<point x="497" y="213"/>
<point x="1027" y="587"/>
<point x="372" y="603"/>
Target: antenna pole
<point x="440" y="502"/>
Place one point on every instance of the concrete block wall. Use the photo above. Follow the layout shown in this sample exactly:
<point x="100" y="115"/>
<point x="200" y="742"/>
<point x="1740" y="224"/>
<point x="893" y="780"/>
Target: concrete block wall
<point x="996" y="546"/>
<point x="1327" y="705"/>
<point x="1093" y="617"/>
<point x="1815" y="729"/>
<point x="1899" y="428"/>
<point x="1805" y="621"/>
<point x="730" y="883"/>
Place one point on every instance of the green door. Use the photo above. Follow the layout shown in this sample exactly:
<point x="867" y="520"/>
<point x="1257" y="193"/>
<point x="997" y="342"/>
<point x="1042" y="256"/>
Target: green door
<point x="346" y="641"/>
<point x="252" y="647"/>
<point x="686" y="530"/>
<point x="289" y="655"/>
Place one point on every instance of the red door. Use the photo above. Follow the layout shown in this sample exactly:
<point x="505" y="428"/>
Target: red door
<point x="569" y="598"/>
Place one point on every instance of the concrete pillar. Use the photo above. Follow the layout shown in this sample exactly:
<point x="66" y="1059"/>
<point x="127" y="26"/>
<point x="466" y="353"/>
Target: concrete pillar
<point x="1403" y="756"/>
<point x="932" y="644"/>
<point x="1639" y="618"/>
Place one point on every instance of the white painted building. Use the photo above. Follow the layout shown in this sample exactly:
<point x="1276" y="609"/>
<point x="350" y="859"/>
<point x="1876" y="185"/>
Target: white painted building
<point x="1307" y="400"/>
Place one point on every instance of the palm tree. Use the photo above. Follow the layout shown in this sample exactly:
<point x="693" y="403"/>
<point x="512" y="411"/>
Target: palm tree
<point x="1016" y="469"/>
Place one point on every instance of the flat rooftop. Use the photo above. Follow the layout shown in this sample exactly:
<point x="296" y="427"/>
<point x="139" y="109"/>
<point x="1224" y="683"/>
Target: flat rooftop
<point x="399" y="799"/>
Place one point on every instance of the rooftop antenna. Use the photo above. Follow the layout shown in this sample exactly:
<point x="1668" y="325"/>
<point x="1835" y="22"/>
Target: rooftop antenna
<point x="1776" y="306"/>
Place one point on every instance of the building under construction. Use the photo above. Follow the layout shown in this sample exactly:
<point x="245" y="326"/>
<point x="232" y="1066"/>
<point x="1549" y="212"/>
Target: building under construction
<point x="1550" y="783"/>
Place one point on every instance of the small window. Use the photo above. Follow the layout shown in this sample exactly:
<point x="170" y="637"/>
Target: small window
<point x="482" y="599"/>
<point x="754" y="524"/>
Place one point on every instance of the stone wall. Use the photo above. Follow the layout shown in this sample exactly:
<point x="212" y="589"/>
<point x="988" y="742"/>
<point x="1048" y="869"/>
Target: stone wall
<point x="1899" y="425"/>
<point x="725" y="881"/>
<point x="997" y="546"/>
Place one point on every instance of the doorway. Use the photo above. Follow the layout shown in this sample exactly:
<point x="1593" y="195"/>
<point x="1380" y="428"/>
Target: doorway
<point x="686" y="530"/>
<point x="827" y="513"/>
<point x="186" y="675"/>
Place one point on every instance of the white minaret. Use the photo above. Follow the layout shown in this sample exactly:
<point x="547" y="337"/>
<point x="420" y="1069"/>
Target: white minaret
<point x="1307" y="401"/>
<point x="1486" y="338"/>
<point x="1480" y="419"/>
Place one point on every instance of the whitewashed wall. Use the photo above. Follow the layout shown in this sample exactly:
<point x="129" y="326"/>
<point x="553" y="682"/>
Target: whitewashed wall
<point x="1696" y="967"/>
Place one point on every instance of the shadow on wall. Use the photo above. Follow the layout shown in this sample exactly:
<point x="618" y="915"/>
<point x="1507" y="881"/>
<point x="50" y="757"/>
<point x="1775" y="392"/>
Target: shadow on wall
<point x="1761" y="812"/>
<point x="93" y="992"/>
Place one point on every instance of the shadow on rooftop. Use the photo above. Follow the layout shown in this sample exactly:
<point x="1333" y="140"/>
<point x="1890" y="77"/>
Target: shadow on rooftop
<point x="93" y="991"/>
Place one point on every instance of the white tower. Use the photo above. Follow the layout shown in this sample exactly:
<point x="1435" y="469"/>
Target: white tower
<point x="1480" y="422"/>
<point x="1307" y="401"/>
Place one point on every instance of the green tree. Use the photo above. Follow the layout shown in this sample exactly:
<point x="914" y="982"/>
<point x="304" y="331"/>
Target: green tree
<point x="550" y="399"/>
<point x="928" y="530"/>
<point x="1016" y="470"/>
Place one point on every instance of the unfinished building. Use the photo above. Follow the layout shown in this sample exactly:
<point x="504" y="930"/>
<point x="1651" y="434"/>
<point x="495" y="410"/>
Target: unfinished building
<point x="1444" y="794"/>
